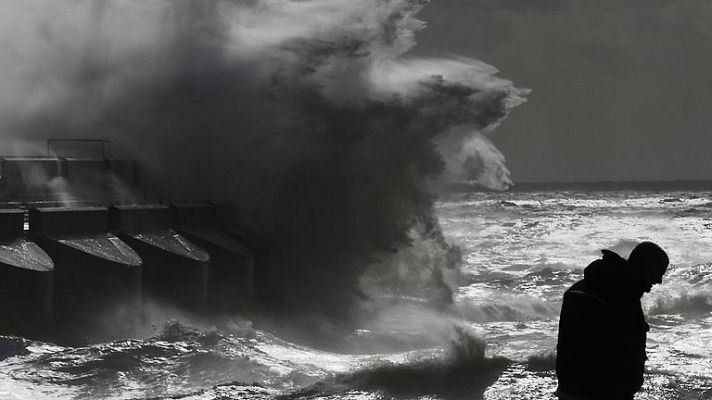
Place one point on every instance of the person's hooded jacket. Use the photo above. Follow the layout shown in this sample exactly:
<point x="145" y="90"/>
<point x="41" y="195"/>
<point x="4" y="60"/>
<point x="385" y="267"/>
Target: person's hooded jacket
<point x="602" y="332"/>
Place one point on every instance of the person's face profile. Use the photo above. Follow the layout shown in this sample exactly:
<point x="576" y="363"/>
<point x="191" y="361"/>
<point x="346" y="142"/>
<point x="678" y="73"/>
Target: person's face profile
<point x="653" y="275"/>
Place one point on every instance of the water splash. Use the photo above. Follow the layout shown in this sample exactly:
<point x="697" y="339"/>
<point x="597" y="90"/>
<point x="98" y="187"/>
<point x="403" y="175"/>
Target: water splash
<point x="311" y="116"/>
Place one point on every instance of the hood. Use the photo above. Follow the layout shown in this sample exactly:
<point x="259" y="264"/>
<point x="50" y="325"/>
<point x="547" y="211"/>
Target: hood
<point x="611" y="277"/>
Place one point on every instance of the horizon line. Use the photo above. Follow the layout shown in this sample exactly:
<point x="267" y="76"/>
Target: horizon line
<point x="617" y="181"/>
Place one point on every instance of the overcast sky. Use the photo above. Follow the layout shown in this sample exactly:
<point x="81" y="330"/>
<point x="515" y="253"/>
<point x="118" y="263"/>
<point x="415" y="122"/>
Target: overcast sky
<point x="621" y="90"/>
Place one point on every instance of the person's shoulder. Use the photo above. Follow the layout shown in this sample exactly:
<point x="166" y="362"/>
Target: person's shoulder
<point x="581" y="295"/>
<point x="578" y="286"/>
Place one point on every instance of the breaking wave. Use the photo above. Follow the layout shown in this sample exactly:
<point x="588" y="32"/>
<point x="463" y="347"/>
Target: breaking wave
<point x="513" y="310"/>
<point x="309" y="117"/>
<point x="181" y="362"/>
<point x="699" y="302"/>
<point x="461" y="371"/>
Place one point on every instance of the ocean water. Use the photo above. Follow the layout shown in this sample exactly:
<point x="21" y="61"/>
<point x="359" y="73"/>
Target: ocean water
<point x="521" y="250"/>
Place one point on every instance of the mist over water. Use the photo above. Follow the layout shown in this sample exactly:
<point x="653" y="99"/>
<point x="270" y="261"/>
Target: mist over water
<point x="309" y="116"/>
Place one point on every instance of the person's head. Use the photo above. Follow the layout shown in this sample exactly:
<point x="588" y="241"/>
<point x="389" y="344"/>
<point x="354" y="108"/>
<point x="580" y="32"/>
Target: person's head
<point x="651" y="261"/>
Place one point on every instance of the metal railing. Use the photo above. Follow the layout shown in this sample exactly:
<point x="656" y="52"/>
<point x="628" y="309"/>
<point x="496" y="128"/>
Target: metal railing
<point x="52" y="148"/>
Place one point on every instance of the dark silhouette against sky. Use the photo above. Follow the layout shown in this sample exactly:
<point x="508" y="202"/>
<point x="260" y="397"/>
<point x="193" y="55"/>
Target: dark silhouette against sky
<point x="621" y="90"/>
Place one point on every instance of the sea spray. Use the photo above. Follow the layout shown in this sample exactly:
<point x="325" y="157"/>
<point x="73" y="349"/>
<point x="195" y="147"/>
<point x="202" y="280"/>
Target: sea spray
<point x="311" y="116"/>
<point x="461" y="370"/>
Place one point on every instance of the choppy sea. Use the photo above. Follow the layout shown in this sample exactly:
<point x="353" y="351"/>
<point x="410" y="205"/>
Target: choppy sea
<point x="522" y="248"/>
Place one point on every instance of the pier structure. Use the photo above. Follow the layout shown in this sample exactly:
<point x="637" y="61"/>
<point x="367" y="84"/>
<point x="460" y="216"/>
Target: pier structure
<point x="81" y="251"/>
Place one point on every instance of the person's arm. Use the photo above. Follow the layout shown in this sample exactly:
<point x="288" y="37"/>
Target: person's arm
<point x="630" y="329"/>
<point x="582" y="353"/>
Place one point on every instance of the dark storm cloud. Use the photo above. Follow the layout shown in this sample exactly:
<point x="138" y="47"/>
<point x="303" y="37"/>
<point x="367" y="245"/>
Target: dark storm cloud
<point x="539" y="6"/>
<point x="620" y="88"/>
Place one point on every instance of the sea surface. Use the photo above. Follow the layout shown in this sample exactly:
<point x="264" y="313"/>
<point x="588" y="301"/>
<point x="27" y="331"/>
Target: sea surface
<point x="521" y="250"/>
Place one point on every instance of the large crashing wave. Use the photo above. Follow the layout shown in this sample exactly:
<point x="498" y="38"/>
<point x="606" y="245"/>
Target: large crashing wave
<point x="309" y="115"/>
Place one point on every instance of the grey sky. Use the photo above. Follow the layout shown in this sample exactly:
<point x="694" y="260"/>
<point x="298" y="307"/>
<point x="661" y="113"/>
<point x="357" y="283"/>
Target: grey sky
<point x="622" y="90"/>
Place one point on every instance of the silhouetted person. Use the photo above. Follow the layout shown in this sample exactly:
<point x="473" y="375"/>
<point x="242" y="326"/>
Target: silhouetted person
<point x="602" y="330"/>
